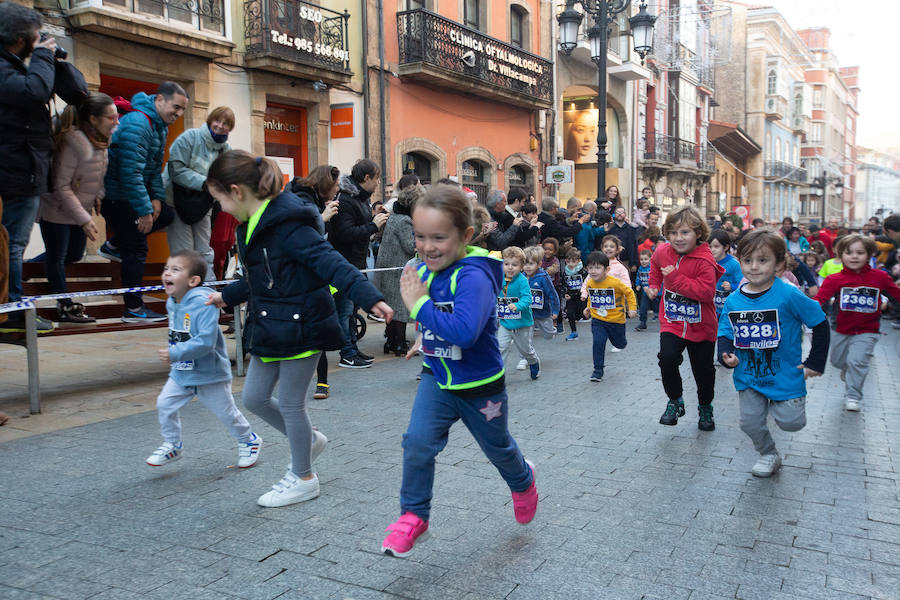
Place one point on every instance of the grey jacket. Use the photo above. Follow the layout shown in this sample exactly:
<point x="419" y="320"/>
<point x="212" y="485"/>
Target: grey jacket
<point x="196" y="344"/>
<point x="398" y="245"/>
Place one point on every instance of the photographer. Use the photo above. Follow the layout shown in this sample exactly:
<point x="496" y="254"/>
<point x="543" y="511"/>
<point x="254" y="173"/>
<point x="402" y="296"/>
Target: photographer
<point x="25" y="127"/>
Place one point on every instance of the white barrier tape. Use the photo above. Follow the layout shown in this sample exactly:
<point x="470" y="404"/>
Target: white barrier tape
<point x="31" y="301"/>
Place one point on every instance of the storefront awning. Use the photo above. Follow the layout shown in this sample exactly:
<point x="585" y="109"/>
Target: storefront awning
<point x="731" y="140"/>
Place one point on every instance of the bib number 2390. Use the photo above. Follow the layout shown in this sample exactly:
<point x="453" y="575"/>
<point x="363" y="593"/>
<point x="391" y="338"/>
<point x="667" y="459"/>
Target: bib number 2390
<point x="681" y="308"/>
<point x="602" y="300"/>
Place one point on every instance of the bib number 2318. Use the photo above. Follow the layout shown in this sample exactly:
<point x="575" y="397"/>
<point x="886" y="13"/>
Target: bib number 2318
<point x="681" y="308"/>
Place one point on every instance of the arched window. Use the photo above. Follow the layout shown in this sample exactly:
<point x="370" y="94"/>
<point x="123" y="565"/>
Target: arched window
<point x="668" y="199"/>
<point x="475" y="175"/>
<point x="772" y="82"/>
<point x="420" y="165"/>
<point x="798" y="104"/>
<point x="521" y="176"/>
<point x="518" y="26"/>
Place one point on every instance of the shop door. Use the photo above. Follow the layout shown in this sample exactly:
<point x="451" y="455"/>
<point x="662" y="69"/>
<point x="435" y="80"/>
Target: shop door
<point x="285" y="135"/>
<point x="158" y="246"/>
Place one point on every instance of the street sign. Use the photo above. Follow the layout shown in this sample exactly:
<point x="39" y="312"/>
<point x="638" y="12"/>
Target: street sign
<point x="559" y="174"/>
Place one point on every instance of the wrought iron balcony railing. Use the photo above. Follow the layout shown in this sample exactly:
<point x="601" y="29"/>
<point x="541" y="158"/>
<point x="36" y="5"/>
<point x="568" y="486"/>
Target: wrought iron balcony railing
<point x="460" y="53"/>
<point x="783" y="170"/>
<point x="659" y="147"/>
<point x="297" y="31"/>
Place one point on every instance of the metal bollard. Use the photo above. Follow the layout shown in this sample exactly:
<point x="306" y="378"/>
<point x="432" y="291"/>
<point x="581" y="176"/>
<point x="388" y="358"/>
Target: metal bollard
<point x="31" y="351"/>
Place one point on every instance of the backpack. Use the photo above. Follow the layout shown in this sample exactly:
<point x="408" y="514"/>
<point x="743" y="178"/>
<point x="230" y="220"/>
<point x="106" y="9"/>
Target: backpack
<point x="124" y="106"/>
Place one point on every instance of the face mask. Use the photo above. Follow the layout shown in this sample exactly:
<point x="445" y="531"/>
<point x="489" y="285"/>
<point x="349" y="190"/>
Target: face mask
<point x="218" y="138"/>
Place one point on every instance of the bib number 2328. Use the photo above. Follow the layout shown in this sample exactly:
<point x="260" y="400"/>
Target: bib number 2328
<point x="755" y="329"/>
<point x="681" y="308"/>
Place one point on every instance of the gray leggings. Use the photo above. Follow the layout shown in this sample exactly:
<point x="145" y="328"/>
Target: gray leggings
<point x="288" y="413"/>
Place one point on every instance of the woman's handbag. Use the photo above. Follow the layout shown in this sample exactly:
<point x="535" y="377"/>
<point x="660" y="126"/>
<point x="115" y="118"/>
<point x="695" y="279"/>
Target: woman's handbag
<point x="191" y="205"/>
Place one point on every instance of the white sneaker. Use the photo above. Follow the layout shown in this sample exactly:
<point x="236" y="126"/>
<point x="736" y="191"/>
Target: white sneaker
<point x="523" y="364"/>
<point x="165" y="454"/>
<point x="290" y="490"/>
<point x="614" y="349"/>
<point x="318" y="444"/>
<point x="851" y="404"/>
<point x="248" y="452"/>
<point x="766" y="465"/>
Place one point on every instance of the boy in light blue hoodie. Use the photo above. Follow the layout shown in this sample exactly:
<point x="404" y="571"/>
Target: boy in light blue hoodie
<point x="199" y="362"/>
<point x="514" y="311"/>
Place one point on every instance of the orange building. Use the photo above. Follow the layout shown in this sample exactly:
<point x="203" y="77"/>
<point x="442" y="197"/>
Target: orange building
<point x="465" y="86"/>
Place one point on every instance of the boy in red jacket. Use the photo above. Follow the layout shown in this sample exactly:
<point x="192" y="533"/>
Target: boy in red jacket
<point x="687" y="272"/>
<point x="857" y="289"/>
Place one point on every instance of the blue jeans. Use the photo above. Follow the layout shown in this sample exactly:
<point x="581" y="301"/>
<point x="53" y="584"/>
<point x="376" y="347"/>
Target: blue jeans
<point x="65" y="244"/>
<point x="346" y="311"/>
<point x="602" y="331"/>
<point x="19" y="213"/>
<point x="433" y="412"/>
<point x="643" y="308"/>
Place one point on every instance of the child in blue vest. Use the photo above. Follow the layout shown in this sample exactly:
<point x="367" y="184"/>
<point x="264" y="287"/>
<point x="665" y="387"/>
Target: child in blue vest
<point x="453" y="296"/>
<point x="641" y="283"/>
<point x="719" y="244"/>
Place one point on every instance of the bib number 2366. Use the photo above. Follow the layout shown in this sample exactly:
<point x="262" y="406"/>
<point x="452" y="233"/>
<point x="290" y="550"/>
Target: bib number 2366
<point x="860" y="299"/>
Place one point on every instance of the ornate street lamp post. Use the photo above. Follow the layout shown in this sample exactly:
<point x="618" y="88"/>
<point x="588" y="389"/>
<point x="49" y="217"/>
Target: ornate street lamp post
<point x="604" y="12"/>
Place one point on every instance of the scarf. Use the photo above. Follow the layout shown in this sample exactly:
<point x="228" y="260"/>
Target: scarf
<point x="94" y="137"/>
<point x="574" y="271"/>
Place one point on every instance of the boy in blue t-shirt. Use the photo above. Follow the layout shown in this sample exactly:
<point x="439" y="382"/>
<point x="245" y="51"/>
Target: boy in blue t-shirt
<point x="760" y="337"/>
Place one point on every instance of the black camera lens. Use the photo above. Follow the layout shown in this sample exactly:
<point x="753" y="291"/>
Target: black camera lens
<point x="61" y="53"/>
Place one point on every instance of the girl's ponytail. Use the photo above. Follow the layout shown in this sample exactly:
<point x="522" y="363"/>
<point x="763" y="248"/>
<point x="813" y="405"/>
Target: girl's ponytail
<point x="237" y="167"/>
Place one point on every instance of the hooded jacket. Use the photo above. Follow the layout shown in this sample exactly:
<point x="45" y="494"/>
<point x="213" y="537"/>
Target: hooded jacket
<point x="458" y="319"/>
<point x="694" y="278"/>
<point x="352" y="226"/>
<point x="541" y="285"/>
<point x="519" y="289"/>
<point x="196" y="343"/>
<point x="287" y="268"/>
<point x="858" y="310"/>
<point x="136" y="156"/>
<point x="25" y="144"/>
<point x="78" y="170"/>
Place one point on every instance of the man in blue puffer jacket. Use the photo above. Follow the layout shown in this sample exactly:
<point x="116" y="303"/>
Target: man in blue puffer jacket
<point x="135" y="196"/>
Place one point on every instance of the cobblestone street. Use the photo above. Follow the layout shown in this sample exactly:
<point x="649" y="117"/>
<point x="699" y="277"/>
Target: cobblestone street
<point x="629" y="508"/>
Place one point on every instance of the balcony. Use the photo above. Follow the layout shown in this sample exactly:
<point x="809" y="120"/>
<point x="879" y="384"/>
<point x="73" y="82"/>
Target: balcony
<point x="776" y="107"/>
<point x="659" y="148"/>
<point x="801" y="124"/>
<point x="444" y="53"/>
<point x="297" y="37"/>
<point x="782" y="171"/>
<point x="194" y="27"/>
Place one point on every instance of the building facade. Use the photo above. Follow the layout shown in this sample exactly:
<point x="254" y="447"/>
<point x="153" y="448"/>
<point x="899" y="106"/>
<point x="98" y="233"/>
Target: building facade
<point x="729" y="190"/>
<point x="877" y="185"/>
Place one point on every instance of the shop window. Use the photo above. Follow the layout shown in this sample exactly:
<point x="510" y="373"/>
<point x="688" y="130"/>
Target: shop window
<point x="521" y="176"/>
<point x="475" y="175"/>
<point x="285" y="134"/>
<point x="418" y="164"/>
<point x="668" y="201"/>
<point x="518" y="26"/>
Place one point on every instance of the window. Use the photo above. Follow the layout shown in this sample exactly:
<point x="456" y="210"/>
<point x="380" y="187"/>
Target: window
<point x="472" y="13"/>
<point x="772" y="82"/>
<point x="817" y="97"/>
<point x="414" y="4"/>
<point x="816" y="135"/>
<point x="418" y="164"/>
<point x="518" y="20"/>
<point x="798" y="104"/>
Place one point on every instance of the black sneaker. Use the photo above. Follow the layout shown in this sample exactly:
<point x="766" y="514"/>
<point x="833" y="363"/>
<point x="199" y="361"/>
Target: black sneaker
<point x="674" y="409"/>
<point x="641" y="327"/>
<point x="706" y="422"/>
<point x="354" y="363"/>
<point x="73" y="313"/>
<point x="142" y="315"/>
<point x="365" y="357"/>
<point x="16" y="324"/>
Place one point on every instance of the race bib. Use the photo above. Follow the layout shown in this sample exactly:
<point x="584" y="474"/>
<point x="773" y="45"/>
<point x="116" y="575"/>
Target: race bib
<point x="681" y="308"/>
<point x="573" y="282"/>
<point x="721" y="295"/>
<point x="602" y="300"/>
<point x="504" y="311"/>
<point x="176" y="336"/>
<point x="755" y="329"/>
<point x="537" y="299"/>
<point x="643" y="279"/>
<point x="434" y="345"/>
<point x="859" y="299"/>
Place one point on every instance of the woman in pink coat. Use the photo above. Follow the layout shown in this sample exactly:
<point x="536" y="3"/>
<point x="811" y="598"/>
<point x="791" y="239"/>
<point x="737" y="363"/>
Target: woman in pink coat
<point x="79" y="165"/>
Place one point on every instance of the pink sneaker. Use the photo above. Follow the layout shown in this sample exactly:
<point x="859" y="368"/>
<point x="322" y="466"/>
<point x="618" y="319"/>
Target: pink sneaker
<point x="403" y="534"/>
<point x="525" y="503"/>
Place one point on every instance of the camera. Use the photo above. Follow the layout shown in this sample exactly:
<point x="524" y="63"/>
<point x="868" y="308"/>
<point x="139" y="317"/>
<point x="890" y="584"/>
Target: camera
<point x="60" y="53"/>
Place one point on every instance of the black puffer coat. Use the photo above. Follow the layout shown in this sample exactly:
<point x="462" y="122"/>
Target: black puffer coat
<point x="288" y="266"/>
<point x="25" y="144"/>
<point x="352" y="226"/>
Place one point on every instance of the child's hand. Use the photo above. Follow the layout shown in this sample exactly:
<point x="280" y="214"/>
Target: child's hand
<point x="163" y="354"/>
<point x="553" y="317"/>
<point x="415" y="347"/>
<point x="381" y="309"/>
<point x="807" y="372"/>
<point x="512" y="307"/>
<point x="632" y="314"/>
<point x="411" y="287"/>
<point x="667" y="269"/>
<point x="730" y="360"/>
<point x="637" y="288"/>
<point x="568" y="297"/>
<point x="652" y="292"/>
<point x="215" y="298"/>
<point x="587" y="313"/>
<point x="583" y="297"/>
<point x="726" y="286"/>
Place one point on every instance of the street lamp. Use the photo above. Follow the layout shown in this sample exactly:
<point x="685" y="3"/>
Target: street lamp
<point x="604" y="13"/>
<point x="821" y="184"/>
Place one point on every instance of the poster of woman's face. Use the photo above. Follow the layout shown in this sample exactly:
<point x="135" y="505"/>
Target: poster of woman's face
<point x="581" y="128"/>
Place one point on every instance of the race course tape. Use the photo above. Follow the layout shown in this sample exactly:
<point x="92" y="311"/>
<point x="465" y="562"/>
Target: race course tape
<point x="31" y="301"/>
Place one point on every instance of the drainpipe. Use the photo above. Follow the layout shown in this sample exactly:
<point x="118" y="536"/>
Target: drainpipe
<point x="554" y="149"/>
<point x="383" y="150"/>
<point x="365" y="72"/>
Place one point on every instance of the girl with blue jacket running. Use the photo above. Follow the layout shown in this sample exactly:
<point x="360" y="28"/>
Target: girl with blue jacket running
<point x="291" y="317"/>
<point x="453" y="296"/>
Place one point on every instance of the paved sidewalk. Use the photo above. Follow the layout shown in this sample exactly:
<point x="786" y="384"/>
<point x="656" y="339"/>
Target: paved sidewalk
<point x="629" y="508"/>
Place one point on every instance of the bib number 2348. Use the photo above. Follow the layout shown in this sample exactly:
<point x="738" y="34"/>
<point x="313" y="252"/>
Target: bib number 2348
<point x="681" y="308"/>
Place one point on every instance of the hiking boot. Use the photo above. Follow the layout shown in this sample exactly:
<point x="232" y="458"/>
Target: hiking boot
<point x="674" y="409"/>
<point x="706" y="422"/>
<point x="403" y="535"/>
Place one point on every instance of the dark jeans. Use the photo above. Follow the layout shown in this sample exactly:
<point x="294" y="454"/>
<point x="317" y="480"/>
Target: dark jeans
<point x="18" y="217"/>
<point x="65" y="244"/>
<point x="131" y="243"/>
<point x="643" y="307"/>
<point x="346" y="314"/>
<point x="574" y="309"/>
<point x="603" y="331"/>
<point x="701" y="355"/>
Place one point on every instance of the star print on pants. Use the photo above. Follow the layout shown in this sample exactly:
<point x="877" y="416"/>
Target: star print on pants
<point x="491" y="410"/>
